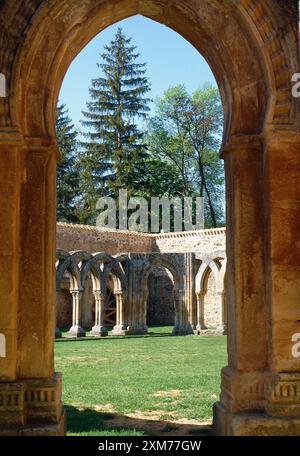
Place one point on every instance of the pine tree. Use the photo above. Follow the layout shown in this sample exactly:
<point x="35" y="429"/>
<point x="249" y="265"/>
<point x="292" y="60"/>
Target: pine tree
<point x="67" y="169"/>
<point x="113" y="150"/>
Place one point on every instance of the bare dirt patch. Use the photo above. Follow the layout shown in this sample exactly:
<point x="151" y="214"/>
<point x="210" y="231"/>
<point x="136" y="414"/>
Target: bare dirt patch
<point x="168" y="393"/>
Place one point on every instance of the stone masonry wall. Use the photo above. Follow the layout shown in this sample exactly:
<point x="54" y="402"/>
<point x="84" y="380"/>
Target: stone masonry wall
<point x="92" y="239"/>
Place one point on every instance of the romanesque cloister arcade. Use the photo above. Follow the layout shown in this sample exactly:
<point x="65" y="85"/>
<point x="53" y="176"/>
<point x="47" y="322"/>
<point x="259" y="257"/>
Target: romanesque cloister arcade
<point x="129" y="275"/>
<point x="251" y="46"/>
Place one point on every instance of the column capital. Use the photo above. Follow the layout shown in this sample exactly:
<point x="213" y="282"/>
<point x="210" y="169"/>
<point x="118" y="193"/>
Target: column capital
<point x="76" y="292"/>
<point x="119" y="292"/>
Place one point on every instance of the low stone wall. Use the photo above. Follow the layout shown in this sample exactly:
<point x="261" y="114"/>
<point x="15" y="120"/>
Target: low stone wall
<point x="114" y="242"/>
<point x="204" y="241"/>
<point x="92" y="239"/>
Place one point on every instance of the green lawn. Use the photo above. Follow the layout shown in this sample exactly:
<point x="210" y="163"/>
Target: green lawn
<point x="136" y="385"/>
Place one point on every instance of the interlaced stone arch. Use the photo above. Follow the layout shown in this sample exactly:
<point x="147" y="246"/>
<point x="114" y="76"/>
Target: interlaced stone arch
<point x="65" y="263"/>
<point x="80" y="265"/>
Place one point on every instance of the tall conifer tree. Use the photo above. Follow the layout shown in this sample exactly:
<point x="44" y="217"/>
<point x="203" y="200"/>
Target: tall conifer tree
<point x="67" y="168"/>
<point x="112" y="152"/>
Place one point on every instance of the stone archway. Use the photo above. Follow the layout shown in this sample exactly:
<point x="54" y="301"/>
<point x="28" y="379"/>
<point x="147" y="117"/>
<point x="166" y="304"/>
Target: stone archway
<point x="253" y="64"/>
<point x="161" y="298"/>
<point x="160" y="262"/>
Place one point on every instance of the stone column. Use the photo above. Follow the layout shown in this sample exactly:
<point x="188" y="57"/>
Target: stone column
<point x="76" y="330"/>
<point x="10" y="178"/>
<point x="136" y="306"/>
<point x="182" y="324"/>
<point x="121" y="327"/>
<point x="189" y="285"/>
<point x="220" y="298"/>
<point x="200" y="312"/>
<point x="243" y="380"/>
<point x="282" y="190"/>
<point x="27" y="287"/>
<point x="99" y="330"/>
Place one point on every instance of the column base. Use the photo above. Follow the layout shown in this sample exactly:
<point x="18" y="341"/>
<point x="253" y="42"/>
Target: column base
<point x="32" y="407"/>
<point x="182" y="330"/>
<point x="43" y="430"/>
<point x="198" y="330"/>
<point x="76" y="331"/>
<point x="222" y="329"/>
<point x="58" y="333"/>
<point x="226" y="423"/>
<point x="131" y="330"/>
<point x="99" y="331"/>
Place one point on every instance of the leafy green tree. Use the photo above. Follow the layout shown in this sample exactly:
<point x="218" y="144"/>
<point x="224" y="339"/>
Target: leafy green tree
<point x="186" y="132"/>
<point x="113" y="150"/>
<point x="67" y="169"/>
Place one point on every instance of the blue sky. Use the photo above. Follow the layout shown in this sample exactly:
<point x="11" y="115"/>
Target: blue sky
<point x="170" y="60"/>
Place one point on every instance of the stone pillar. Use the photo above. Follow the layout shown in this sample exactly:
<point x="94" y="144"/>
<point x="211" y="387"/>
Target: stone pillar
<point x="200" y="312"/>
<point x="189" y="286"/>
<point x="282" y="188"/>
<point x="76" y="330"/>
<point x="99" y="330"/>
<point x="220" y="298"/>
<point x="185" y="299"/>
<point x="10" y="178"/>
<point x="30" y="391"/>
<point x="137" y="298"/>
<point x="182" y="324"/>
<point x="243" y="380"/>
<point x="121" y="327"/>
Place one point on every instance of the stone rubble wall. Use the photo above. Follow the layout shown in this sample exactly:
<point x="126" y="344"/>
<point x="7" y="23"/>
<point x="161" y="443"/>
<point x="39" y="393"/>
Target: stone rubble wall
<point x="92" y="239"/>
<point x="204" y="241"/>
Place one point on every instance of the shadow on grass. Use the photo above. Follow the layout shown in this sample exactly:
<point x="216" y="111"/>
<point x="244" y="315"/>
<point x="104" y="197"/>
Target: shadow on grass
<point x="111" y="337"/>
<point x="91" y="422"/>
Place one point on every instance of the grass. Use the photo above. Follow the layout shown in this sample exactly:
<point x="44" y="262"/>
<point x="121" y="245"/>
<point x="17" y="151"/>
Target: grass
<point x="171" y="377"/>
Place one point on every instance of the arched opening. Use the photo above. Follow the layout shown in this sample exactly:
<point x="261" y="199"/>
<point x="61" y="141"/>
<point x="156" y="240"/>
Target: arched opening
<point x="161" y="298"/>
<point x="64" y="304"/>
<point x="253" y="56"/>
<point x="212" y="309"/>
<point x="110" y="314"/>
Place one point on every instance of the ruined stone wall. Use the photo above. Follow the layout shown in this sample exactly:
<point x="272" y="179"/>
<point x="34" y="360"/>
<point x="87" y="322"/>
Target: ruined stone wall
<point x="204" y="241"/>
<point x="92" y="239"/>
